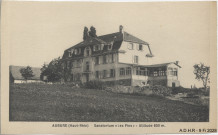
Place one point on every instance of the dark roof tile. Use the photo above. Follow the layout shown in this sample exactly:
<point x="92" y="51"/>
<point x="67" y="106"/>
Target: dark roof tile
<point x="130" y="38"/>
<point x="115" y="38"/>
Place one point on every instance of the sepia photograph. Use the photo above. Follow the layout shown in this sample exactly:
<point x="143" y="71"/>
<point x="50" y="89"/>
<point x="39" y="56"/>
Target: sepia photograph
<point x="75" y="64"/>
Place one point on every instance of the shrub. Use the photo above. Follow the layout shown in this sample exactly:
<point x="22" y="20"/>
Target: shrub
<point x="180" y="89"/>
<point x="73" y="84"/>
<point x="161" y="90"/>
<point x="95" y="85"/>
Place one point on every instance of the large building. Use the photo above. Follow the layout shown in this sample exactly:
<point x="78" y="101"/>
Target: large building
<point x="117" y="58"/>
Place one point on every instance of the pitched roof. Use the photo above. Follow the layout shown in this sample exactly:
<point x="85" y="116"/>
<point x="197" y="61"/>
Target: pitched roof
<point x="115" y="38"/>
<point x="15" y="72"/>
<point x="112" y="37"/>
<point x="156" y="65"/>
<point x="89" y="41"/>
<point x="164" y="64"/>
<point x="130" y="38"/>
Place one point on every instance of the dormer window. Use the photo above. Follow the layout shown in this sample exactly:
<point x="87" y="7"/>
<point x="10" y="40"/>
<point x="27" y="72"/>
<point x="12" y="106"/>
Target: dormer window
<point x="87" y="51"/>
<point x="96" y="47"/>
<point x="70" y="52"/>
<point x="109" y="47"/>
<point x="102" y="46"/>
<point x="131" y="46"/>
<point x="77" y="51"/>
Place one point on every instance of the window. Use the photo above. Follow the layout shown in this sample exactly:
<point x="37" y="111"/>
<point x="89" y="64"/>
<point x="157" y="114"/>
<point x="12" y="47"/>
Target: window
<point x="112" y="58"/>
<point x="97" y="74"/>
<point x="104" y="73"/>
<point x="77" y="51"/>
<point x="97" y="47"/>
<point x="112" y="73"/>
<point x="128" y="71"/>
<point x="162" y="73"/>
<point x="97" y="60"/>
<point x="142" y="71"/>
<point x="175" y="72"/>
<point x="109" y="47"/>
<point x="68" y="64"/>
<point x="136" y="59"/>
<point x="140" y="47"/>
<point x="101" y="46"/>
<point x="122" y="71"/>
<point x="78" y="63"/>
<point x="104" y="59"/>
<point x="155" y="73"/>
<point x="87" y="66"/>
<point x="131" y="46"/>
<point x="138" y="71"/>
<point x="170" y="71"/>
<point x="69" y="54"/>
<point x="146" y="72"/>
<point x="87" y="51"/>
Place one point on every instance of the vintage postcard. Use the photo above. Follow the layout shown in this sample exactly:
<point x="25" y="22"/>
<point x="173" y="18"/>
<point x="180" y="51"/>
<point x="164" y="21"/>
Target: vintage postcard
<point x="108" y="67"/>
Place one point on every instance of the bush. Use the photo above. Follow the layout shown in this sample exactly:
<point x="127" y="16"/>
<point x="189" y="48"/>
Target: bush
<point x="180" y="89"/>
<point x="95" y="85"/>
<point x="73" y="84"/>
<point x="161" y="90"/>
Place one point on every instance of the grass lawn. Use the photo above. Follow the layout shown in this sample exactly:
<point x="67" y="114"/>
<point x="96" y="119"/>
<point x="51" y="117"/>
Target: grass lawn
<point x="43" y="102"/>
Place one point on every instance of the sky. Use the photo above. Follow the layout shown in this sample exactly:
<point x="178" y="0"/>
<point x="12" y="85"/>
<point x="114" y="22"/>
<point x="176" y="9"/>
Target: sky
<point x="38" y="32"/>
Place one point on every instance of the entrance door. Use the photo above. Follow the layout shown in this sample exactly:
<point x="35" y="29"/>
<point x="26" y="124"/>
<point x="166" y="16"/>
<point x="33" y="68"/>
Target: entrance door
<point x="173" y="85"/>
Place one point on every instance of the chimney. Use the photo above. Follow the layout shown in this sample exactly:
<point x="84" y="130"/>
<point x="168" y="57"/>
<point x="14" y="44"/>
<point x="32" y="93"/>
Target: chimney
<point x="92" y="32"/>
<point x="121" y="29"/>
<point x="85" y="33"/>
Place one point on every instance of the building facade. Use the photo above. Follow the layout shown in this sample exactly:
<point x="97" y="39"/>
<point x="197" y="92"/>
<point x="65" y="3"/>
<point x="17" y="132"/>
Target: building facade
<point x="116" y="58"/>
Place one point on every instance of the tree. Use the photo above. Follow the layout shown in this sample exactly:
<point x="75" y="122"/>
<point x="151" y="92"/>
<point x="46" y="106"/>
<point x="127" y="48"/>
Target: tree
<point x="44" y="71"/>
<point x="27" y="72"/>
<point x="53" y="70"/>
<point x="202" y="73"/>
<point x="92" y="32"/>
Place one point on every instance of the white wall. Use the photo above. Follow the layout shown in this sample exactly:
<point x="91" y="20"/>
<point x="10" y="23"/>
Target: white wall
<point x="128" y="57"/>
<point x="172" y="78"/>
<point x="28" y="81"/>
